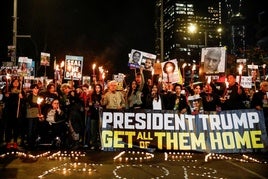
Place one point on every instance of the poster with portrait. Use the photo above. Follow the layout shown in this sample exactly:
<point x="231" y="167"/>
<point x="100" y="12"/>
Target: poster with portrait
<point x="73" y="67"/>
<point x="28" y="81"/>
<point x="196" y="104"/>
<point x="86" y="80"/>
<point x="170" y="72"/>
<point x="24" y="66"/>
<point x="147" y="61"/>
<point x="139" y="59"/>
<point x="213" y="60"/>
<point x="45" y="59"/>
<point x="253" y="72"/>
<point x="119" y="78"/>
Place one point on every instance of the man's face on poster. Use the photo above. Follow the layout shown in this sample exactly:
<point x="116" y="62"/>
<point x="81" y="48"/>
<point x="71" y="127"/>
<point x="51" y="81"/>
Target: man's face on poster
<point x="136" y="57"/>
<point x="211" y="61"/>
<point x="254" y="74"/>
<point x="148" y="63"/>
<point x="196" y="105"/>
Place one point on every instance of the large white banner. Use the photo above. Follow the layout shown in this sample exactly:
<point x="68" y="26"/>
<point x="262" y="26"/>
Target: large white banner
<point x="233" y="131"/>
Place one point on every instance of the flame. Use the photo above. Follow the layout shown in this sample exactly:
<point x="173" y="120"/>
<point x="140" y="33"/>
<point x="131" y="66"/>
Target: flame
<point x="194" y="67"/>
<point x="226" y="83"/>
<point x="62" y="64"/>
<point x="39" y="100"/>
<point x="8" y="76"/>
<point x="240" y="68"/>
<point x="208" y="79"/>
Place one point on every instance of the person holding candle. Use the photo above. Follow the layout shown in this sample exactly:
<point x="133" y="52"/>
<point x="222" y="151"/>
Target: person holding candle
<point x="71" y="105"/>
<point x="32" y="115"/>
<point x="95" y="105"/>
<point x="210" y="99"/>
<point x="234" y="96"/>
<point x="15" y="111"/>
<point x="133" y="96"/>
<point x="49" y="95"/>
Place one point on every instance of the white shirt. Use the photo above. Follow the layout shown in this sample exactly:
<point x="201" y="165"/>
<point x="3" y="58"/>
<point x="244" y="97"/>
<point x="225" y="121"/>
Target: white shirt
<point x="157" y="105"/>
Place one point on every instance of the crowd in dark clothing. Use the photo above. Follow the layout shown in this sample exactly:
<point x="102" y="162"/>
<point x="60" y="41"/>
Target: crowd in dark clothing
<point x="68" y="116"/>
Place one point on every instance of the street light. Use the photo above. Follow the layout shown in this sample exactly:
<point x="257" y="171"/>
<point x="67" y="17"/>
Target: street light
<point x="192" y="28"/>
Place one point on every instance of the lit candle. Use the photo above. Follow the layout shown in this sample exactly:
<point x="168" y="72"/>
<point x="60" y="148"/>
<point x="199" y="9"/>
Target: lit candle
<point x="39" y="101"/>
<point x="264" y="71"/>
<point x="62" y="64"/>
<point x="7" y="78"/>
<point x="56" y="72"/>
<point x="100" y="73"/>
<point x="152" y="75"/>
<point x="192" y="75"/>
<point x="240" y="69"/>
<point x="103" y="77"/>
<point x="61" y="70"/>
<point x="93" y="67"/>
<point x="183" y="72"/>
<point x="208" y="79"/>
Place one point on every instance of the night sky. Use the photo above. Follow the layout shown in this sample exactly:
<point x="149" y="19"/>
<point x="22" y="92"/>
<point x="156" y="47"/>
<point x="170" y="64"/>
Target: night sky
<point x="103" y="32"/>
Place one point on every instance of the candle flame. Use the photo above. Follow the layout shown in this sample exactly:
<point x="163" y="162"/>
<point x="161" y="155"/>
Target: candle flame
<point x="94" y="66"/>
<point x="8" y="76"/>
<point x="184" y="65"/>
<point x="39" y="100"/>
<point x="194" y="67"/>
<point x="240" y="68"/>
<point x="226" y="83"/>
<point x="101" y="69"/>
<point x="62" y="64"/>
<point x="208" y="79"/>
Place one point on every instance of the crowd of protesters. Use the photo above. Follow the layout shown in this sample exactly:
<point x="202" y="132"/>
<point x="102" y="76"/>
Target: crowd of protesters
<point x="68" y="115"/>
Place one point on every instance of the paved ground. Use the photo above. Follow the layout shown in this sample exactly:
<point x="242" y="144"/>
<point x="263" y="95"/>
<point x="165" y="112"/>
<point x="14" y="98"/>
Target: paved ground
<point x="130" y="164"/>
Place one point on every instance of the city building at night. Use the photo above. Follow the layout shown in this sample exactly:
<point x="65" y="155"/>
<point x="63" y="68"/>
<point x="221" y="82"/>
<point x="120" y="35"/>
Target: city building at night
<point x="216" y="23"/>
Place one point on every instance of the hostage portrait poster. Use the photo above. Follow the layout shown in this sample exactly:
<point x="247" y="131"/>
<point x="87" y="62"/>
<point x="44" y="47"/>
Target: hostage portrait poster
<point x="232" y="131"/>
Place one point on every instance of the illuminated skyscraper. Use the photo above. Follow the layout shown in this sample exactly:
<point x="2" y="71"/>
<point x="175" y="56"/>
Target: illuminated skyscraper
<point x="176" y="16"/>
